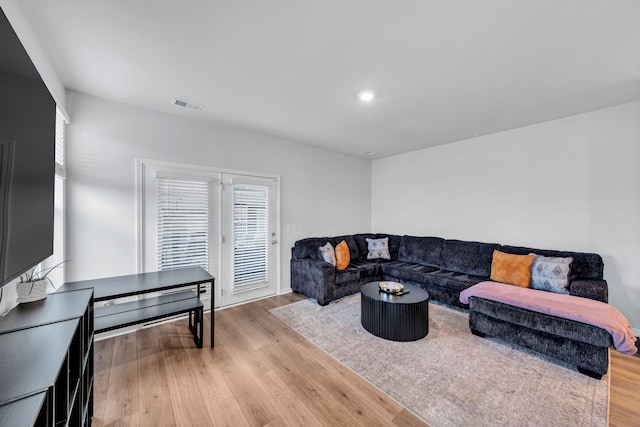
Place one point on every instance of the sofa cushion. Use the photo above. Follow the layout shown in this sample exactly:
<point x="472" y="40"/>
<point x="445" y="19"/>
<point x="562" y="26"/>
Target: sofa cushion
<point x="556" y="326"/>
<point x="349" y="274"/>
<point x="421" y="250"/>
<point x="367" y="269"/>
<point x="361" y="243"/>
<point x="454" y="281"/>
<point x="584" y="265"/>
<point x="596" y="289"/>
<point x="407" y="270"/>
<point x="354" y="253"/>
<point x="308" y="248"/>
<point x="378" y="248"/>
<point x="550" y="273"/>
<point x="511" y="269"/>
<point x="343" y="256"/>
<point x="472" y="258"/>
<point x="394" y="244"/>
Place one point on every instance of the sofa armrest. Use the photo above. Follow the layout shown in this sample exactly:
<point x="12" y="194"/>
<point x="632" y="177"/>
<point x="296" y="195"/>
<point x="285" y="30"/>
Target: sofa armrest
<point x="313" y="277"/>
<point x="590" y="288"/>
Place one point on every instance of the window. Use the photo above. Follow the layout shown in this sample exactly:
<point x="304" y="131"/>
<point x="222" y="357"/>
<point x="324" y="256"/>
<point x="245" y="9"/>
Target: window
<point x="57" y="276"/>
<point x="183" y="223"/>
<point x="250" y="237"/>
<point x="61" y="122"/>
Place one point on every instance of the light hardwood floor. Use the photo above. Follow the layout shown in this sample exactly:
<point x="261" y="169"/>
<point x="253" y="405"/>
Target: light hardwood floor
<point x="261" y="373"/>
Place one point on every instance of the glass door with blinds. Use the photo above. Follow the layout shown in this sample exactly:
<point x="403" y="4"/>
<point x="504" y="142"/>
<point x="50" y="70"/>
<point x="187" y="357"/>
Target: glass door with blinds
<point x="179" y="225"/>
<point x="249" y="238"/>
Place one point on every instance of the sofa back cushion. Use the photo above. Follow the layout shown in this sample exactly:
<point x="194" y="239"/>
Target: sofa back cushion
<point x="361" y="242"/>
<point x="584" y="265"/>
<point x="394" y="244"/>
<point x="421" y="250"/>
<point x="472" y="258"/>
<point x="308" y="248"/>
<point x="354" y="252"/>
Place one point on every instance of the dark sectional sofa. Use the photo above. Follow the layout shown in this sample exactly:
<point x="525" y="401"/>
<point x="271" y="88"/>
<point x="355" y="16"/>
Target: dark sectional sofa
<point x="445" y="268"/>
<point x="442" y="267"/>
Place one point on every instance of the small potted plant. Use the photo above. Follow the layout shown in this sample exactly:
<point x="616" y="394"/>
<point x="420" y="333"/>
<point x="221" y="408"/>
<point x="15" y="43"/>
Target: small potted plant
<point x="33" y="284"/>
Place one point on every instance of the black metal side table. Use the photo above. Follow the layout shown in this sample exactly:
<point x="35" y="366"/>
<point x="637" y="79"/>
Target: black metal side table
<point x="395" y="317"/>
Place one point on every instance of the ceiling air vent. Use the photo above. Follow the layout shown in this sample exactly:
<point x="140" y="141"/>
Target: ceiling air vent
<point x="186" y="104"/>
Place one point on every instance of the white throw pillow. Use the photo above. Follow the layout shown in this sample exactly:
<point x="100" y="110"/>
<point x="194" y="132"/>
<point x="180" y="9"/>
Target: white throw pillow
<point x="550" y="273"/>
<point x="328" y="254"/>
<point x="378" y="248"/>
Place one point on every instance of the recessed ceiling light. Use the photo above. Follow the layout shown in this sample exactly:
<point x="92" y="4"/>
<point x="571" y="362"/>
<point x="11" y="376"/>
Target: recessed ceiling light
<point x="366" y="95"/>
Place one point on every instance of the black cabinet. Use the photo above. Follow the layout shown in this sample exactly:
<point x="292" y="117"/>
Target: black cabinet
<point x="46" y="362"/>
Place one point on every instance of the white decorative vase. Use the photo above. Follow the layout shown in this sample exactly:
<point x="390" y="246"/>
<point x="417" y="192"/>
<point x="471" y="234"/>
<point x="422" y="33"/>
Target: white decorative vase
<point x="32" y="291"/>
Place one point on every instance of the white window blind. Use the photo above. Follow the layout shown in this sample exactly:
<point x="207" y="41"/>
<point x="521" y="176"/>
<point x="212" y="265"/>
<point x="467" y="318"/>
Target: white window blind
<point x="250" y="237"/>
<point x="183" y="223"/>
<point x="60" y="138"/>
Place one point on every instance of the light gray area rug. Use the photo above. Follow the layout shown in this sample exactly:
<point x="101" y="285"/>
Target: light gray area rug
<point x="451" y="377"/>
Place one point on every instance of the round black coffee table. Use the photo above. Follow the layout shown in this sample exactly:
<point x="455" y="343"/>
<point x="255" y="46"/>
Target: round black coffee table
<point x="393" y="317"/>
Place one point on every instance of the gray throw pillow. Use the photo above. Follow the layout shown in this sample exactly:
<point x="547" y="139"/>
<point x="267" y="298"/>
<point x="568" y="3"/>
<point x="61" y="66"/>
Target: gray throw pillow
<point x="378" y="248"/>
<point x="550" y="273"/>
<point x="327" y="253"/>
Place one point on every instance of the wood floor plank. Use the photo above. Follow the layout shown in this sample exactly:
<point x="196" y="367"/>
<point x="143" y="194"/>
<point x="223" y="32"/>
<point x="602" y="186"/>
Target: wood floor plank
<point x="261" y="373"/>
<point x="125" y="349"/>
<point x="625" y="389"/>
<point x="154" y="404"/>
<point x="103" y="356"/>
<point x="230" y="336"/>
<point x="122" y="394"/>
<point x="128" y="421"/>
<point x="147" y="342"/>
<point x="255" y="406"/>
<point x="407" y="419"/>
<point x="221" y="404"/>
<point x="278" y="422"/>
<point x="291" y="409"/>
<point x="364" y="411"/>
<point x="246" y="322"/>
<point x="378" y="402"/>
<point x="330" y="374"/>
<point x="272" y="327"/>
<point x="296" y="372"/>
<point x="170" y="340"/>
<point x="188" y="405"/>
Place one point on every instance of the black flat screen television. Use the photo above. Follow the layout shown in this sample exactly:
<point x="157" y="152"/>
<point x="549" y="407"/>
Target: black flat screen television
<point x="27" y="159"/>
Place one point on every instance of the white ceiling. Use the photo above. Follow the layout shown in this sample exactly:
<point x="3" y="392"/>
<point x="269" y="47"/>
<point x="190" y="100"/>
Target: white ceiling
<point x="444" y="70"/>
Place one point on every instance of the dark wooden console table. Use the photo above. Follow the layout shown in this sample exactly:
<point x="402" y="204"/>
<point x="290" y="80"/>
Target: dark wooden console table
<point x="149" y="309"/>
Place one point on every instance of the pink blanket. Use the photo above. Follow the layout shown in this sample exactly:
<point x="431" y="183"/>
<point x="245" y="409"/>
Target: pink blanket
<point x="583" y="310"/>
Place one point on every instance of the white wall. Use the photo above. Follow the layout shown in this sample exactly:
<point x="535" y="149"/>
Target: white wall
<point x="569" y="184"/>
<point x="322" y="193"/>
